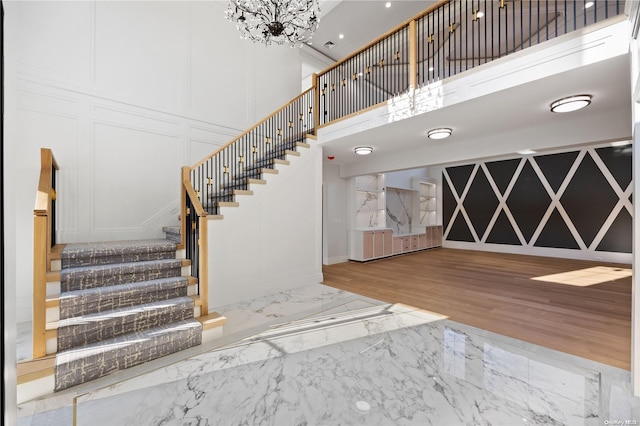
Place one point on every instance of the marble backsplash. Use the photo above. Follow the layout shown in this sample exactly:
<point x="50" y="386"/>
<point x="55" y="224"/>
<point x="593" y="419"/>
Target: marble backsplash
<point x="370" y="209"/>
<point x="399" y="210"/>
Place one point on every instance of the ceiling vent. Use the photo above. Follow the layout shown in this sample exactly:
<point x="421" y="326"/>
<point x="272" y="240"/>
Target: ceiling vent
<point x="329" y="44"/>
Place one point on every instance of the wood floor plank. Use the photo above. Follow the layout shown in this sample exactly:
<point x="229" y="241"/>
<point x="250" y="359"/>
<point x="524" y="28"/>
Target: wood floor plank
<point x="497" y="292"/>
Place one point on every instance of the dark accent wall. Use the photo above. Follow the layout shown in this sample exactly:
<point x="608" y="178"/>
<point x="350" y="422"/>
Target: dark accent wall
<point x="576" y="200"/>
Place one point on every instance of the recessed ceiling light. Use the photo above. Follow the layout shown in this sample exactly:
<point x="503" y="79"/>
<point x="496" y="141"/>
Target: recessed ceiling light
<point x="588" y="4"/>
<point x="479" y="14"/>
<point x="527" y="152"/>
<point x="439" y="133"/>
<point x="363" y="150"/>
<point x="571" y="103"/>
<point x="387" y="4"/>
<point x="341" y="36"/>
<point x="430" y="68"/>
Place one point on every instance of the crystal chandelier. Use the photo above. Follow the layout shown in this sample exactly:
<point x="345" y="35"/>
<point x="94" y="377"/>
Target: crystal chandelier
<point x="275" y="21"/>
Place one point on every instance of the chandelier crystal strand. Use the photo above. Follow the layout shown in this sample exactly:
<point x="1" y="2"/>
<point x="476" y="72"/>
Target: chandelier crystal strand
<point x="290" y="22"/>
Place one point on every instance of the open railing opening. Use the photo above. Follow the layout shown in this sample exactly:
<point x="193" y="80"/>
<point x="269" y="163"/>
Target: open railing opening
<point x="216" y="178"/>
<point x="445" y="40"/>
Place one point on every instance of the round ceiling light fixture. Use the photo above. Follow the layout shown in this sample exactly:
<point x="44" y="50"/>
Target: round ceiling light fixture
<point x="363" y="150"/>
<point x="441" y="133"/>
<point x="571" y="103"/>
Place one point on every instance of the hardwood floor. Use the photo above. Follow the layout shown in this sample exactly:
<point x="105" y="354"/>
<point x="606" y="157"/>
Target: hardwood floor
<point x="497" y="292"/>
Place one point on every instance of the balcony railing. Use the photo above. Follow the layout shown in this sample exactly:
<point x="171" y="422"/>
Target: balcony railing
<point x="445" y="40"/>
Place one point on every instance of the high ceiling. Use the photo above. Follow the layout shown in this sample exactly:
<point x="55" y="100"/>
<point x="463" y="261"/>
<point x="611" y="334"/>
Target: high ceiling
<point x="493" y="118"/>
<point x="360" y="21"/>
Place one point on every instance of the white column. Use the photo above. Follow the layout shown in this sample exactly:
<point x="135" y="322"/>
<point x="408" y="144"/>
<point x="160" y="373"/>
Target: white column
<point x="9" y="218"/>
<point x="635" y="303"/>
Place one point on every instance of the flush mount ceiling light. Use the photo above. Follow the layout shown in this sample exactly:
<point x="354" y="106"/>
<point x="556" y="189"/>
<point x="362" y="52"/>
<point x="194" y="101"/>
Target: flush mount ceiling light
<point x="571" y="103"/>
<point x="439" y="133"/>
<point x="363" y="150"/>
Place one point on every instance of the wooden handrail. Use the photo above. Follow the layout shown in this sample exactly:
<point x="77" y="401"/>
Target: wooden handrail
<point x="47" y="164"/>
<point x="264" y="120"/>
<point x="191" y="192"/>
<point x="187" y="190"/>
<point x="383" y="36"/>
<point x="43" y="229"/>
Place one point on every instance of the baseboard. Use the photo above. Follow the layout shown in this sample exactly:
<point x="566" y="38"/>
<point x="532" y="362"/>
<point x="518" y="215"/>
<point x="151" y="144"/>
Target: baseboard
<point x="337" y="259"/>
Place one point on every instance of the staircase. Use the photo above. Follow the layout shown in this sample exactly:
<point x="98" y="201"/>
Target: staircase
<point x="113" y="305"/>
<point x="121" y="304"/>
<point x="239" y="184"/>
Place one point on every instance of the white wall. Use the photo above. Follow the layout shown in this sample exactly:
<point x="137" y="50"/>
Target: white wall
<point x="403" y="178"/>
<point x="272" y="241"/>
<point x="336" y="194"/>
<point x="125" y="93"/>
<point x="9" y="255"/>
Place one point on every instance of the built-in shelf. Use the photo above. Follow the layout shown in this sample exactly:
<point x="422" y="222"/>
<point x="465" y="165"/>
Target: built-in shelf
<point x="370" y="244"/>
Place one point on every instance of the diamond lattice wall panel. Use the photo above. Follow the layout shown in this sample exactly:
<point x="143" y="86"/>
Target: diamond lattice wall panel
<point x="618" y="161"/>
<point x="448" y="203"/>
<point x="556" y="233"/>
<point x="588" y="200"/>
<point x="480" y="203"/>
<point x="502" y="172"/>
<point x="528" y="201"/>
<point x="618" y="238"/>
<point x="502" y="232"/>
<point x="460" y="231"/>
<point x="578" y="200"/>
<point x="459" y="177"/>
<point x="555" y="167"/>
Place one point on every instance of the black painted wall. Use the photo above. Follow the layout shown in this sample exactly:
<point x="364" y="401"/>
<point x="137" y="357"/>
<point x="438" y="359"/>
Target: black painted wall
<point x="578" y="200"/>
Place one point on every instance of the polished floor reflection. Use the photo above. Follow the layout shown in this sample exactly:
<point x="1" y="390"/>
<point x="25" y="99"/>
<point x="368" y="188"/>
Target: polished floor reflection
<point x="362" y="362"/>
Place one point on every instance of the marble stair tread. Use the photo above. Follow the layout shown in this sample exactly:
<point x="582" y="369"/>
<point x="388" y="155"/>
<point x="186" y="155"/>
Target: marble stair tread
<point x="97" y="253"/>
<point x="85" y="277"/>
<point x="84" y="329"/>
<point x="99" y="299"/>
<point x="89" y="362"/>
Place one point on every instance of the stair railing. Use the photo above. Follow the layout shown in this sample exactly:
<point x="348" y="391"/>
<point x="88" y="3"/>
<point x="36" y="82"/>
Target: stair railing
<point x="44" y="238"/>
<point x="216" y="177"/>
<point x="448" y="38"/>
<point x="193" y="231"/>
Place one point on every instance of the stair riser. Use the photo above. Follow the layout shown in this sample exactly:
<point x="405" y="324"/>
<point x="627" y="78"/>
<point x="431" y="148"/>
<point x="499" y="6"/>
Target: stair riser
<point x="53" y="313"/>
<point x="86" y="279"/>
<point x="91" y="305"/>
<point x="118" y="258"/>
<point x="52" y="342"/>
<point x="101" y="361"/>
<point x="94" y="329"/>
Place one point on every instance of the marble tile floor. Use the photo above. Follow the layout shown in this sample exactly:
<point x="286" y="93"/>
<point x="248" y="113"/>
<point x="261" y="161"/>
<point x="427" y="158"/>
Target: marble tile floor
<point x="352" y="361"/>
